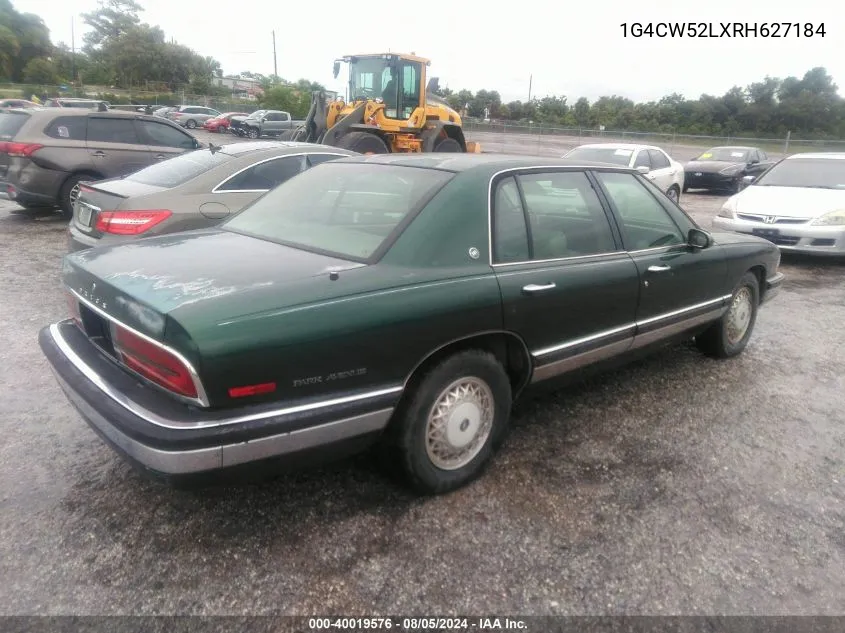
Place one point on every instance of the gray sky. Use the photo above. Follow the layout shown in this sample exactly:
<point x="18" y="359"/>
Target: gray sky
<point x="569" y="51"/>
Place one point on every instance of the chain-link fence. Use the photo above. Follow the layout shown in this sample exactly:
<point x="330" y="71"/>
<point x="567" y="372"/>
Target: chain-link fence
<point x="140" y="96"/>
<point x="555" y="141"/>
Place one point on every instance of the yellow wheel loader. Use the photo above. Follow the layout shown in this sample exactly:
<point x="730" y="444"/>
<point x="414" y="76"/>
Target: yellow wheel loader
<point x="390" y="109"/>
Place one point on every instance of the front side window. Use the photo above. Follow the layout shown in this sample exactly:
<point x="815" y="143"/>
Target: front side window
<point x="165" y="135"/>
<point x="644" y="221"/>
<point x="643" y="159"/>
<point x="346" y="210"/>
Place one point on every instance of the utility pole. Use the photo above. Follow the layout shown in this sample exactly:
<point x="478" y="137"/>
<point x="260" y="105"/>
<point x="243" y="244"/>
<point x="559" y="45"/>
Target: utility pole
<point x="275" y="67"/>
<point x="530" y="81"/>
<point x="72" y="53"/>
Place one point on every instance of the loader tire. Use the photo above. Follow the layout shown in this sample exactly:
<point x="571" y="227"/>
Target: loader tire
<point x="448" y="145"/>
<point x="363" y="143"/>
<point x="287" y="135"/>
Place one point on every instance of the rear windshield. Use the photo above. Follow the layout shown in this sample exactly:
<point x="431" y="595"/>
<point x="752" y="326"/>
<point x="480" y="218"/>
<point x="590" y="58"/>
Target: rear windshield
<point x="11" y="123"/>
<point x="611" y="155"/>
<point x="815" y="173"/>
<point x="347" y="210"/>
<point x="179" y="169"/>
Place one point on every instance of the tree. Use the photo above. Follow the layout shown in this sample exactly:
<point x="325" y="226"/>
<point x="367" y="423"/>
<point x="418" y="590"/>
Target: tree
<point x="23" y="37"/>
<point x="41" y="71"/>
<point x="110" y="20"/>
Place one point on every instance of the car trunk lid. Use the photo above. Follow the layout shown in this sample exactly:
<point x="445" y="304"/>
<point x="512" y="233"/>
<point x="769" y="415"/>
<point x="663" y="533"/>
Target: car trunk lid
<point x="107" y="195"/>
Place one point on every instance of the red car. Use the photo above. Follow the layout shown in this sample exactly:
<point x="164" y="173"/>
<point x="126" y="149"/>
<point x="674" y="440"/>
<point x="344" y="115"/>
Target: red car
<point x="221" y="123"/>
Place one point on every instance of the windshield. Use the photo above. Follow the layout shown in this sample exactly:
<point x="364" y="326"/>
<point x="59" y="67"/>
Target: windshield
<point x="179" y="169"/>
<point x="11" y="123"/>
<point x="256" y="114"/>
<point x="347" y="210"/>
<point x="822" y="173"/>
<point x="727" y="154"/>
<point x="368" y="78"/>
<point x="610" y="155"/>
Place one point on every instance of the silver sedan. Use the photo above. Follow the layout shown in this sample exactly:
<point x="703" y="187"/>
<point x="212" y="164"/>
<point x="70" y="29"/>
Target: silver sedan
<point x="195" y="190"/>
<point x="799" y="204"/>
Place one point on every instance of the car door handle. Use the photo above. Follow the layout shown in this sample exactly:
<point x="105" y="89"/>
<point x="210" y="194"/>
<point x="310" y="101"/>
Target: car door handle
<point x="99" y="154"/>
<point x="532" y="288"/>
<point x="658" y="269"/>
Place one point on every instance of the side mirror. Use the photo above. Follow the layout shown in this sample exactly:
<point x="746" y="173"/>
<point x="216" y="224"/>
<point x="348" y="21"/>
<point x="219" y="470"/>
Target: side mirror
<point x="643" y="169"/>
<point x="699" y="239"/>
<point x="747" y="180"/>
<point x="336" y="68"/>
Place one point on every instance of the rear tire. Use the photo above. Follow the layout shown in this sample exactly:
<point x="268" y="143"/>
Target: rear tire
<point x="673" y="194"/>
<point x="455" y="417"/>
<point x="70" y="192"/>
<point x="363" y="143"/>
<point x="448" y="144"/>
<point x="729" y="335"/>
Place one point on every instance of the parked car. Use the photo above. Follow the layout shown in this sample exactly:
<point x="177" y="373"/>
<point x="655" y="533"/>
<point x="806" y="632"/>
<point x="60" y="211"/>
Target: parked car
<point x="45" y="154"/>
<point x="268" y="123"/>
<point x="191" y="191"/>
<point x="6" y="104"/>
<point x="220" y="124"/>
<point x="162" y="112"/>
<point x="236" y="122"/>
<point x="723" y="168"/>
<point x="192" y="116"/>
<point x="799" y="204"/>
<point x="651" y="161"/>
<point x="87" y="104"/>
<point x="399" y="298"/>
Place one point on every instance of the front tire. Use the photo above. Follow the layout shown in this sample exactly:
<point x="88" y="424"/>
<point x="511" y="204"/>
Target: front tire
<point x="191" y="124"/>
<point x="730" y="334"/>
<point x="253" y="133"/>
<point x="363" y="143"/>
<point x="455" y="418"/>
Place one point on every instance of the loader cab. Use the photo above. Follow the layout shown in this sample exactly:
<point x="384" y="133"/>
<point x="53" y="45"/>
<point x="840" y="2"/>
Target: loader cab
<point x="398" y="80"/>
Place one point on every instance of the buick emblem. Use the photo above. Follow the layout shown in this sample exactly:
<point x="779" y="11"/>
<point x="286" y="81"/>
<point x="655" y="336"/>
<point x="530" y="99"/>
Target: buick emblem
<point x="770" y="219"/>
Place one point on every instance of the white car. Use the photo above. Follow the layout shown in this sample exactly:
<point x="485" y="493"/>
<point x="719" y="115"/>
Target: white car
<point x="799" y="204"/>
<point x="653" y="162"/>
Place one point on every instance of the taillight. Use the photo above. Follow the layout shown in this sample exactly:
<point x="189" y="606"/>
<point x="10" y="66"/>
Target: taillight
<point x="153" y="362"/>
<point x="130" y="222"/>
<point x="19" y="149"/>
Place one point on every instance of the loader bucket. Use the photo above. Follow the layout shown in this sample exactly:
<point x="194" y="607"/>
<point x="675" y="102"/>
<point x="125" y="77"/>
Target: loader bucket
<point x="473" y="147"/>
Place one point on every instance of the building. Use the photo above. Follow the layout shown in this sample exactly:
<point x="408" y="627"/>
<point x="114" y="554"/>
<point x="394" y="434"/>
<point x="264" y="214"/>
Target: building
<point x="241" y="87"/>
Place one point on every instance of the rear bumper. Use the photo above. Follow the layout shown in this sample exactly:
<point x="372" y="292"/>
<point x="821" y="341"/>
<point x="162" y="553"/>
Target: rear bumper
<point x="11" y="191"/>
<point x="169" y="438"/>
<point x="773" y="285"/>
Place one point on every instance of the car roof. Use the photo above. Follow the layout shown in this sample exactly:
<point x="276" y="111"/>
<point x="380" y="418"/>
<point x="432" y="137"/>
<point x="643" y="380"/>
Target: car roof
<point x="631" y="146"/>
<point x="284" y="147"/>
<point x="50" y="112"/>
<point x="826" y="155"/>
<point x="465" y="162"/>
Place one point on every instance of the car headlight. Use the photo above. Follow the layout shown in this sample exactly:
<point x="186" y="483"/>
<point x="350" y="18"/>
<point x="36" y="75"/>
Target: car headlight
<point x="834" y="218"/>
<point x="728" y="209"/>
<point x="732" y="170"/>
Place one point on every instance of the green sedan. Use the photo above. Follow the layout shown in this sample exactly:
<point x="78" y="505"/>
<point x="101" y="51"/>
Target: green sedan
<point x="397" y="300"/>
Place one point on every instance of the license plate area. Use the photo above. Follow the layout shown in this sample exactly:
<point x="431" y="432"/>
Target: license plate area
<point x="84" y="214"/>
<point x="769" y="234"/>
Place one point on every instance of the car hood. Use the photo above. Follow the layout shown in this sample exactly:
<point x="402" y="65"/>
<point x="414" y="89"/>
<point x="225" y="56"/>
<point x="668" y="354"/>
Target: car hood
<point x="709" y="166"/>
<point x="207" y="275"/>
<point x="795" y="202"/>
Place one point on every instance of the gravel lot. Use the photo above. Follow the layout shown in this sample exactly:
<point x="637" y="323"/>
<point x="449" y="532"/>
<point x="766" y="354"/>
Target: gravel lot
<point x="677" y="485"/>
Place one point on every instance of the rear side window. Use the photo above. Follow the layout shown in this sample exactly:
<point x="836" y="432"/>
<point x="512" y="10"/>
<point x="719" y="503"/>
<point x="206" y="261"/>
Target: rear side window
<point x="68" y="127"/>
<point x="266" y="175"/>
<point x="104" y="130"/>
<point x="179" y="169"/>
<point x="658" y="159"/>
<point x="316" y="159"/>
<point x="11" y="123"/>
